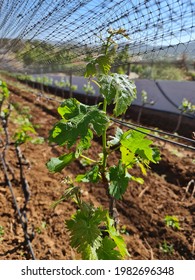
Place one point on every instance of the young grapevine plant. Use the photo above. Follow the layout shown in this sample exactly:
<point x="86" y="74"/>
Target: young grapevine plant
<point x="93" y="231"/>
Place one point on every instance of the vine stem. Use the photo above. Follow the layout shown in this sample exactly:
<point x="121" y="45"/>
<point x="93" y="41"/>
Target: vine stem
<point x="105" y="152"/>
<point x="104" y="141"/>
<point x="104" y="164"/>
<point x="105" y="111"/>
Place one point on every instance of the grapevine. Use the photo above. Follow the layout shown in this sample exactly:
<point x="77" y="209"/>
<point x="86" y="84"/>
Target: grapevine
<point x="93" y="230"/>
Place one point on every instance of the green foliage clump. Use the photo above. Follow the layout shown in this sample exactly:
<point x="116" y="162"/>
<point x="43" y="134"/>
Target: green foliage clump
<point x="2" y="233"/>
<point x="25" y="130"/>
<point x="167" y="248"/>
<point x="88" y="88"/>
<point x="172" y="221"/>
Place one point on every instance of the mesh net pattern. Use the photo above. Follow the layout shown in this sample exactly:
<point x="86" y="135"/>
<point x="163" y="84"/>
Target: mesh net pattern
<point x="49" y="35"/>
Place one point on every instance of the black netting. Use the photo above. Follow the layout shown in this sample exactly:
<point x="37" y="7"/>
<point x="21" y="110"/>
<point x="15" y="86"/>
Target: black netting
<point x="47" y="35"/>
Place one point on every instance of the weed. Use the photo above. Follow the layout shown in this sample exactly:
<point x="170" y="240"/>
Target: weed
<point x="167" y="248"/>
<point x="172" y="221"/>
<point x="40" y="229"/>
<point x="2" y="232"/>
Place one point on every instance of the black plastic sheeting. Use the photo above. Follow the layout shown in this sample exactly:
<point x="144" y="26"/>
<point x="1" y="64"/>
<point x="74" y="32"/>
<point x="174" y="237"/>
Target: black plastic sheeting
<point x="166" y="95"/>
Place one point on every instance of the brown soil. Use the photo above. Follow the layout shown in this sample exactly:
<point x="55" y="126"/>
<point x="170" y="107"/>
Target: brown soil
<point x="142" y="209"/>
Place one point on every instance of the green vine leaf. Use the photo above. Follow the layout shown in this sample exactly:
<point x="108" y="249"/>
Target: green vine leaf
<point x="156" y="154"/>
<point x="85" y="143"/>
<point x="119" y="241"/>
<point x="115" y="140"/>
<point x="90" y="70"/>
<point x="102" y="63"/>
<point x="137" y="143"/>
<point x="85" y="234"/>
<point x="91" y="176"/>
<point x="136" y="179"/>
<point x="107" y="250"/>
<point x="118" y="89"/>
<point x="77" y="119"/>
<point x="24" y="132"/>
<point x="90" y="252"/>
<point x="57" y="164"/>
<point x="118" y="180"/>
<point x="69" y="108"/>
<point x="127" y="157"/>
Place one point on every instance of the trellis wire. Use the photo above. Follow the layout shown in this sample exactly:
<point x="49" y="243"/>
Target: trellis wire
<point x="131" y="126"/>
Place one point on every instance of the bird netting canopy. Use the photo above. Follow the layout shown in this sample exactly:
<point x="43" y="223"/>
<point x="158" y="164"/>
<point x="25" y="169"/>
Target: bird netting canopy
<point x="54" y="34"/>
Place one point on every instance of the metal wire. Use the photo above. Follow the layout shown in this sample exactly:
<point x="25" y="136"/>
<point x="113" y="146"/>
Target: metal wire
<point x="131" y="126"/>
